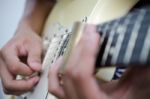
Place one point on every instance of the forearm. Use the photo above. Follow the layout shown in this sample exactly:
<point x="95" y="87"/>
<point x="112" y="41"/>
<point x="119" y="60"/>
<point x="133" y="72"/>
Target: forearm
<point x="35" y="14"/>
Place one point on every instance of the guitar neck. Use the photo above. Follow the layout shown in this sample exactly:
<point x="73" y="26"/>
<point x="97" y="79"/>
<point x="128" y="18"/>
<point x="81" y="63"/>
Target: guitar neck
<point x="126" y="41"/>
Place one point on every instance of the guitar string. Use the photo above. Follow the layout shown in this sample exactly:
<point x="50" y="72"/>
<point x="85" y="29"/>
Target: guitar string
<point x="146" y="47"/>
<point x="133" y="37"/>
<point x="120" y="40"/>
<point x="123" y="17"/>
<point x="104" y="58"/>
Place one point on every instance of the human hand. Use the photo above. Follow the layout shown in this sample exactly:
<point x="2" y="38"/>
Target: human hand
<point x="21" y="56"/>
<point x="79" y="82"/>
<point x="80" y="67"/>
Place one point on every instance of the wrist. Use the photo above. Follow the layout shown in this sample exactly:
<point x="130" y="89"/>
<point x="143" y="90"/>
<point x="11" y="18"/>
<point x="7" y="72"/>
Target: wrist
<point x="25" y="25"/>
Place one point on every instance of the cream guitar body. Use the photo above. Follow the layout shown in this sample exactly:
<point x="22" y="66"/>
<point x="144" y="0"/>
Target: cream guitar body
<point x="66" y="12"/>
<point x="60" y="22"/>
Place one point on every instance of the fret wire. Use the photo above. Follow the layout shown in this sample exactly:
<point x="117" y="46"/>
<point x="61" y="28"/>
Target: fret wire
<point x="102" y="44"/>
<point x="134" y="12"/>
<point x="111" y="34"/>
<point x="127" y="38"/>
<point x="104" y="33"/>
<point x="133" y="37"/>
<point x="139" y="44"/>
<point x="146" y="48"/>
<point x="120" y="40"/>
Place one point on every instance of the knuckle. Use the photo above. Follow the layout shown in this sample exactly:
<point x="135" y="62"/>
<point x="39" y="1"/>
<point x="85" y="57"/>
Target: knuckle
<point x="77" y="76"/>
<point x="68" y="70"/>
<point x="53" y="90"/>
<point x="72" y="73"/>
<point x="13" y="69"/>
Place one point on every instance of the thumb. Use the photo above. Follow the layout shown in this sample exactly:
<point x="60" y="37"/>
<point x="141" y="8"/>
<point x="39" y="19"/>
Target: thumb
<point x="34" y="58"/>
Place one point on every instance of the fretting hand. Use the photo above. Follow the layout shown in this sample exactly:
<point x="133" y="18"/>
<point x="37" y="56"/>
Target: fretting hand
<point x="78" y="80"/>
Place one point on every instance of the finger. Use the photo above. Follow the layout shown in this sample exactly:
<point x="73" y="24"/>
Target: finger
<point x="82" y="59"/>
<point x="89" y="42"/>
<point x="69" y="89"/>
<point x="80" y="67"/>
<point x="11" y="58"/>
<point x="34" y="57"/>
<point x="16" y="86"/>
<point x="54" y="82"/>
<point x="20" y="86"/>
<point x="89" y="46"/>
<point x="95" y="92"/>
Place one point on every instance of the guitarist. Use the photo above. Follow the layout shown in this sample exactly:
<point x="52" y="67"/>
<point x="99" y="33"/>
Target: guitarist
<point x="77" y="81"/>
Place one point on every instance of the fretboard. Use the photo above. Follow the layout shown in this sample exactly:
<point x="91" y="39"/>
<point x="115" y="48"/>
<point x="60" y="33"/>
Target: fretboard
<point x="126" y="41"/>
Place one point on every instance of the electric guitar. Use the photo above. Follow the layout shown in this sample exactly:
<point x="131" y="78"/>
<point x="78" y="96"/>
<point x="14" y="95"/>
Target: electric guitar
<point x="118" y="42"/>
